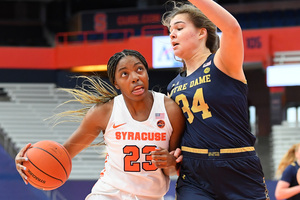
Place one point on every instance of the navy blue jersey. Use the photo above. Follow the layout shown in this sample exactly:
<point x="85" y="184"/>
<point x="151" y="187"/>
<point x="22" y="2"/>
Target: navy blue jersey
<point x="290" y="175"/>
<point x="215" y="106"/>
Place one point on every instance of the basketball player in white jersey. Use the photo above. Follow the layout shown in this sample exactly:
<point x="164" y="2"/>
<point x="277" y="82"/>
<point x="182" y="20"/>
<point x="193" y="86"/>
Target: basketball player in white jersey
<point x="140" y="128"/>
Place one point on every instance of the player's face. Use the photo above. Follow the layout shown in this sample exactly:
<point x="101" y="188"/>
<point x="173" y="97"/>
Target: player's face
<point x="131" y="78"/>
<point x="185" y="36"/>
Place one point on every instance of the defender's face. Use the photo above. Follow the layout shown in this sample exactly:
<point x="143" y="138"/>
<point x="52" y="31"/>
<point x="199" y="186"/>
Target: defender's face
<point x="185" y="37"/>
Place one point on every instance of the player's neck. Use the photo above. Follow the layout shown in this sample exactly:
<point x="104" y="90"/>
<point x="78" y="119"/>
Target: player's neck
<point x="140" y="110"/>
<point x="194" y="63"/>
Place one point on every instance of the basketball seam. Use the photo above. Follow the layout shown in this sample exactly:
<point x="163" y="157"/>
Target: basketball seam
<point x="54" y="158"/>
<point x="67" y="153"/>
<point x="44" y="172"/>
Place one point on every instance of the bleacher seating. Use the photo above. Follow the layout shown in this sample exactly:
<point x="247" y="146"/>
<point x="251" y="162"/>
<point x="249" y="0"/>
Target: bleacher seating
<point x="286" y="57"/>
<point x="23" y="121"/>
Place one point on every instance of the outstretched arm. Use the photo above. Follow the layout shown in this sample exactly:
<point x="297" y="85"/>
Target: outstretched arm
<point x="230" y="56"/>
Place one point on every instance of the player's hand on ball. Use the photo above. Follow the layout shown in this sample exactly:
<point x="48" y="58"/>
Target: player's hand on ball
<point x="162" y="158"/>
<point x="19" y="159"/>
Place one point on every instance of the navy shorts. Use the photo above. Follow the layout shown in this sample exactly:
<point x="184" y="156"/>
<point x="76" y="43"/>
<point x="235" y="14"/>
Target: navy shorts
<point x="218" y="176"/>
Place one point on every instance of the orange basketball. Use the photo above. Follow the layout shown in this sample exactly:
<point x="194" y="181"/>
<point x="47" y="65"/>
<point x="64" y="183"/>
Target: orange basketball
<point x="49" y="165"/>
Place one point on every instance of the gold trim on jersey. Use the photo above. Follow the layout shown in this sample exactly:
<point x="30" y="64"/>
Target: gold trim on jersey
<point x="229" y="150"/>
<point x="194" y="150"/>
<point x="237" y="150"/>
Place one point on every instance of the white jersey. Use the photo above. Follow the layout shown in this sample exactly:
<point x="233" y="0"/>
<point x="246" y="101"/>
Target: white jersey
<point x="128" y="165"/>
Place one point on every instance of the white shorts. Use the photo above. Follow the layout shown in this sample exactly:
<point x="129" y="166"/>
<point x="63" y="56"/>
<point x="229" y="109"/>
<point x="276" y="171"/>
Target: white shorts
<point x="105" y="191"/>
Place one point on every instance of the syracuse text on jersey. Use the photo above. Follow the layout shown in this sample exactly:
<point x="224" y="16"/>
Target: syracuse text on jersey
<point x="150" y="136"/>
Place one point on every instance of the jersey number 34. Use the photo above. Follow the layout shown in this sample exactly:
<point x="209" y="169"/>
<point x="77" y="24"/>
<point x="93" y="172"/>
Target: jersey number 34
<point x="199" y="105"/>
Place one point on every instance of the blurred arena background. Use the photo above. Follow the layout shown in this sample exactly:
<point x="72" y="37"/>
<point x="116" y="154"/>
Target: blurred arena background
<point x="43" y="43"/>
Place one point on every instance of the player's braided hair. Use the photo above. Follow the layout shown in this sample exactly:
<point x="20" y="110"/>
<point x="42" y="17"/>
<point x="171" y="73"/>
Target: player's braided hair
<point x="94" y="90"/>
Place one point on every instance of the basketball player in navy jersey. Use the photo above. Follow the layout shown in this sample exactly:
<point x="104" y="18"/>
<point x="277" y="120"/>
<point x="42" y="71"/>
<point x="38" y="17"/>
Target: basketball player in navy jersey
<point x="219" y="160"/>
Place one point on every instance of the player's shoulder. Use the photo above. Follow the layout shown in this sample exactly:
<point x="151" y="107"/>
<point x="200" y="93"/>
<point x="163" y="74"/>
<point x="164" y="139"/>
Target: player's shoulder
<point x="104" y="107"/>
<point x="168" y="101"/>
<point x="291" y="167"/>
<point x="294" y="165"/>
<point x="172" y="107"/>
<point x="101" y="109"/>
